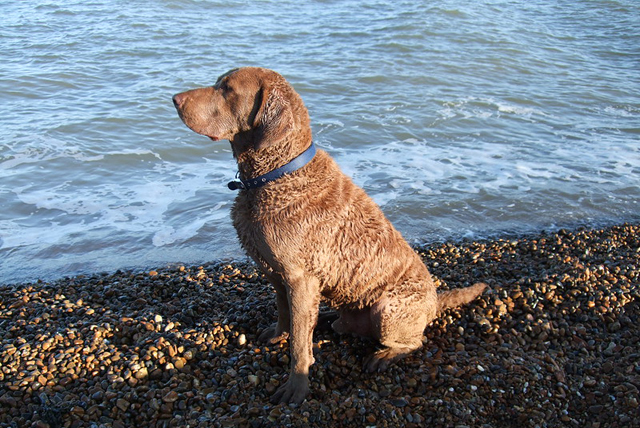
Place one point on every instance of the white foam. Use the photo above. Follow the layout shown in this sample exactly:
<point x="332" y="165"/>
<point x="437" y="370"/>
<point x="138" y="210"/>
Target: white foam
<point x="37" y="149"/>
<point x="485" y="108"/>
<point x="519" y="110"/>
<point x="169" y="235"/>
<point x="146" y="205"/>
<point x="622" y="111"/>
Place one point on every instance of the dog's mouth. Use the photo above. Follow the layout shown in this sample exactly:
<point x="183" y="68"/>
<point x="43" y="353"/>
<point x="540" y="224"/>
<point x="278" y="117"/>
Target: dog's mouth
<point x="206" y="133"/>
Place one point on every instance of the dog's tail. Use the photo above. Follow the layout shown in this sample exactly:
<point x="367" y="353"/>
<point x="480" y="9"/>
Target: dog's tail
<point x="459" y="296"/>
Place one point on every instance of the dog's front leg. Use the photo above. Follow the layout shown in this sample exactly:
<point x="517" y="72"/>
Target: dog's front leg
<point x="280" y="330"/>
<point x="304" y="301"/>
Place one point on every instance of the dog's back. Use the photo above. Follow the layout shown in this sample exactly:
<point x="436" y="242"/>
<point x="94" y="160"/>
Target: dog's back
<point x="319" y="218"/>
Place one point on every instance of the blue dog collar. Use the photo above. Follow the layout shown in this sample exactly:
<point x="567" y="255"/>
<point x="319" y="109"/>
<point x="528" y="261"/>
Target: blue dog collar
<point x="297" y="163"/>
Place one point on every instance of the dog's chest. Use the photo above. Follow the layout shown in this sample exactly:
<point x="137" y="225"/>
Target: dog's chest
<point x="266" y="233"/>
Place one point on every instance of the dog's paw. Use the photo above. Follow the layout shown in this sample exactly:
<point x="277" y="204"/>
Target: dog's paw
<point x="294" y="391"/>
<point x="373" y="363"/>
<point x="272" y="336"/>
<point x="379" y="361"/>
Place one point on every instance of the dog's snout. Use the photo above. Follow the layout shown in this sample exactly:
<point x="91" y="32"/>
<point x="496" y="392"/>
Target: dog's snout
<point x="178" y="100"/>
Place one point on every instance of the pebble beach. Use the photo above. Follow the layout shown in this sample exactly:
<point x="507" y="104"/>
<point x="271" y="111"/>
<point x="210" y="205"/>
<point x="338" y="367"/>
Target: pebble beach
<point x="554" y="342"/>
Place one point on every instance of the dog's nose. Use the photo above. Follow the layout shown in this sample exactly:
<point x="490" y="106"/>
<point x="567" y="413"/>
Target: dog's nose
<point x="178" y="100"/>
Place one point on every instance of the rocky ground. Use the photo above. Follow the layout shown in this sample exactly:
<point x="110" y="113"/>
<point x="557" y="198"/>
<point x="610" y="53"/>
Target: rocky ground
<point x="556" y="342"/>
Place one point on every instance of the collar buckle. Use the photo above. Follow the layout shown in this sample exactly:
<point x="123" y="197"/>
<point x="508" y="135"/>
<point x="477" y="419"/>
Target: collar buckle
<point x="236" y="185"/>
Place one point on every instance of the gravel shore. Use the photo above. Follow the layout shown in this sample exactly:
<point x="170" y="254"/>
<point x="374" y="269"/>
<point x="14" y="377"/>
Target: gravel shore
<point x="555" y="342"/>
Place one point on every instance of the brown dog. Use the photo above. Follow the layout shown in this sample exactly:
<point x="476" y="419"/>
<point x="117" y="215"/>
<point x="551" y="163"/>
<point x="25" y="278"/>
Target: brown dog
<point x="314" y="233"/>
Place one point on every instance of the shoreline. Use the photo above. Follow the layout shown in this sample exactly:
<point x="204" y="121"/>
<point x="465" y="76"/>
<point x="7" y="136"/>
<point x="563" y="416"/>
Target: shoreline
<point x="554" y="342"/>
<point x="51" y="273"/>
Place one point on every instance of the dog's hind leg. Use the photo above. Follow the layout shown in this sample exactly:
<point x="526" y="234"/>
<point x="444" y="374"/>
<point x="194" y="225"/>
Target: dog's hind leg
<point x="356" y="321"/>
<point x="399" y="319"/>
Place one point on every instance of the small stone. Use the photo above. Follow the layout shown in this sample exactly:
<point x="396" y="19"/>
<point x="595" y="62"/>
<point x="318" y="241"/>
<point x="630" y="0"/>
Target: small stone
<point x="384" y="392"/>
<point x="122" y="404"/>
<point x="77" y="411"/>
<point x="615" y="327"/>
<point x="242" y="340"/>
<point x="610" y="349"/>
<point x="399" y="402"/>
<point x="596" y="409"/>
<point x="179" y="363"/>
<point x="284" y="359"/>
<point x="275" y="413"/>
<point x="170" y="397"/>
<point x="8" y="400"/>
<point x="154" y="404"/>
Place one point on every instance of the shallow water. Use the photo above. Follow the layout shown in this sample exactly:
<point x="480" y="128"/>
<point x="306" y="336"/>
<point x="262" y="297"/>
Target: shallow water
<point x="461" y="119"/>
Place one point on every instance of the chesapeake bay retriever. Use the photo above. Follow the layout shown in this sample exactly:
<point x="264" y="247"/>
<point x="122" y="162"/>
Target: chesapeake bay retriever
<point x="313" y="232"/>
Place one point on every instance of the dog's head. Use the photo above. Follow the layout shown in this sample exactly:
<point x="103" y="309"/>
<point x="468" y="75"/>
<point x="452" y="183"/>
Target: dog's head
<point x="252" y="107"/>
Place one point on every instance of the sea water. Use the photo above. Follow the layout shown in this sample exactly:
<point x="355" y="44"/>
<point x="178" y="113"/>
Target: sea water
<point x="461" y="119"/>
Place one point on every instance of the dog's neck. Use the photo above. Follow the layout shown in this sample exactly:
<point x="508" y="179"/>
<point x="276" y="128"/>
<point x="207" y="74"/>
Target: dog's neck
<point x="295" y="164"/>
<point x="253" y="163"/>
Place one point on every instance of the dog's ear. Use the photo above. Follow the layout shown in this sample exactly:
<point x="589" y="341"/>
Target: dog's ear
<point x="274" y="118"/>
